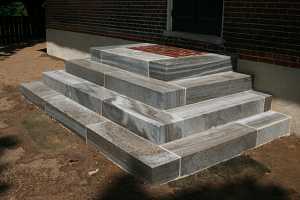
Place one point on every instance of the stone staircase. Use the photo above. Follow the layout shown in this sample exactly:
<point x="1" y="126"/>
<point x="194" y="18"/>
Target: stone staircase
<point x="158" y="112"/>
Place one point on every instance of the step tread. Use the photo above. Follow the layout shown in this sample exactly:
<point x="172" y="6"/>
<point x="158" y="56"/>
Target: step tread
<point x="210" y="79"/>
<point x="208" y="139"/>
<point x="263" y="119"/>
<point x="92" y="65"/>
<point x="216" y="104"/>
<point x="135" y="54"/>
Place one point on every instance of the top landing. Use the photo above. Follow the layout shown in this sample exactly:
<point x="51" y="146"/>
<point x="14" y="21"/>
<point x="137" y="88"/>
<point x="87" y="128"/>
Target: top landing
<point x="161" y="62"/>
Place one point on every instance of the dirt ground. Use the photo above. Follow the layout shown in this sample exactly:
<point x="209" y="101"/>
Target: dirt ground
<point x="39" y="159"/>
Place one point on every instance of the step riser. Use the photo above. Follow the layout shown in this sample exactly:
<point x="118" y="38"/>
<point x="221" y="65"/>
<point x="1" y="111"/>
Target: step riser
<point x="200" y="71"/>
<point x="201" y="92"/>
<point x="171" y="95"/>
<point x="150" y="96"/>
<point x="89" y="75"/>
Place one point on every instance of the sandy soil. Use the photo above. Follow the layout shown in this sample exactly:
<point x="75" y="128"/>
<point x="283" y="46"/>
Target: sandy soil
<point x="39" y="159"/>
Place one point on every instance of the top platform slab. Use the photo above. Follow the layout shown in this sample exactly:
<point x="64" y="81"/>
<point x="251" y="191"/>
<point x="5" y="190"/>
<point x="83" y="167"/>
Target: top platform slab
<point x="161" y="62"/>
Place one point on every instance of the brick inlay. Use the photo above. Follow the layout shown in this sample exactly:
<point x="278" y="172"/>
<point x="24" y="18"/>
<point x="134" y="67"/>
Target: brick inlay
<point x="174" y="52"/>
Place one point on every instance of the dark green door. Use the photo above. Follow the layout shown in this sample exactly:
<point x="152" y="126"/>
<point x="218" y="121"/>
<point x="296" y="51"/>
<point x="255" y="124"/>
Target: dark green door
<point x="198" y="16"/>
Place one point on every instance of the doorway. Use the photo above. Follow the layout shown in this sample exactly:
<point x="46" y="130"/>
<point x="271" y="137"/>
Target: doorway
<point x="197" y="16"/>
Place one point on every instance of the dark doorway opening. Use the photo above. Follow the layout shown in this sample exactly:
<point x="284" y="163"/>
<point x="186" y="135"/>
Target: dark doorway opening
<point x="198" y="16"/>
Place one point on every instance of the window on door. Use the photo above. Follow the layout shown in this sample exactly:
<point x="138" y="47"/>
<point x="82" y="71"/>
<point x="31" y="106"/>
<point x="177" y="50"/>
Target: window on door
<point x="198" y="16"/>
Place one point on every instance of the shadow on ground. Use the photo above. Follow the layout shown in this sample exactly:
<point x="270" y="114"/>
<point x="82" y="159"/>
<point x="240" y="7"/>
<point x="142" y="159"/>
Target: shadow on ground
<point x="6" y="142"/>
<point x="205" y="185"/>
<point x="7" y="51"/>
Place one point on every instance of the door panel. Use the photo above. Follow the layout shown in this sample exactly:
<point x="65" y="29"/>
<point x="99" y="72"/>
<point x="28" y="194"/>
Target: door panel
<point x="198" y="16"/>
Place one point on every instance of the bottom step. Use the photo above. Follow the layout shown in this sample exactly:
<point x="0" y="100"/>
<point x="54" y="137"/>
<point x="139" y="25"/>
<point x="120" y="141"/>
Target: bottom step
<point x="159" y="163"/>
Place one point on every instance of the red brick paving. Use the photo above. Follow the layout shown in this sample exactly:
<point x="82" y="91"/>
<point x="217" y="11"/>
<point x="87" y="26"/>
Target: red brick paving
<point x="174" y="52"/>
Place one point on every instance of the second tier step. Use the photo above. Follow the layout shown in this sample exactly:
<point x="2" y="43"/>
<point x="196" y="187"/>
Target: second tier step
<point x="160" y="94"/>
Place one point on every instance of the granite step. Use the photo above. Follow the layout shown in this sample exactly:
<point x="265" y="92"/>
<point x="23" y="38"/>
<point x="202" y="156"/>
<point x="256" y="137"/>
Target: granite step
<point x="164" y="126"/>
<point x="216" y="145"/>
<point x="132" y="153"/>
<point x="160" y="94"/>
<point x="163" y="67"/>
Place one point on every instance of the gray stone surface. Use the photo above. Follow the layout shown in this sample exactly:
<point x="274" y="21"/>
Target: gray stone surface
<point x="146" y="121"/>
<point x="201" y="88"/>
<point x="269" y="125"/>
<point x="208" y="148"/>
<point x="133" y="153"/>
<point x="37" y="93"/>
<point x="130" y="60"/>
<point x="207" y="114"/>
<point x="83" y="92"/>
<point x="60" y="80"/>
<point x="88" y="70"/>
<point x="153" y="92"/>
<point x="177" y="68"/>
<point x="71" y="114"/>
<point x="96" y="51"/>
<point x="90" y="95"/>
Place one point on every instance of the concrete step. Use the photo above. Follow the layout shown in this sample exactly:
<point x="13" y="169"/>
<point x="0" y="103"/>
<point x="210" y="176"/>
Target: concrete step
<point x="160" y="94"/>
<point x="129" y="151"/>
<point x="153" y="92"/>
<point x="159" y="66"/>
<point x="69" y="113"/>
<point x="212" y="86"/>
<point x="164" y="126"/>
<point x="216" y="145"/>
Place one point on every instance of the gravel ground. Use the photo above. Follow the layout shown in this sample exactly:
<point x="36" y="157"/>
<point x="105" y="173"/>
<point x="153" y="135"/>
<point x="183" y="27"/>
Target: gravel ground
<point x="39" y="159"/>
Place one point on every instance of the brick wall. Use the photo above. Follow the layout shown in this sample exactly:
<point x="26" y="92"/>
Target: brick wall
<point x="266" y="31"/>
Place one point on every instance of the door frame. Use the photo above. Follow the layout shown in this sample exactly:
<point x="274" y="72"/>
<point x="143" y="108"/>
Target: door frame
<point x="170" y="20"/>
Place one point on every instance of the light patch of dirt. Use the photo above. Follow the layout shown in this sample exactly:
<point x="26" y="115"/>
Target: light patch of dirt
<point x="3" y="125"/>
<point x="11" y="155"/>
<point x="7" y="104"/>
